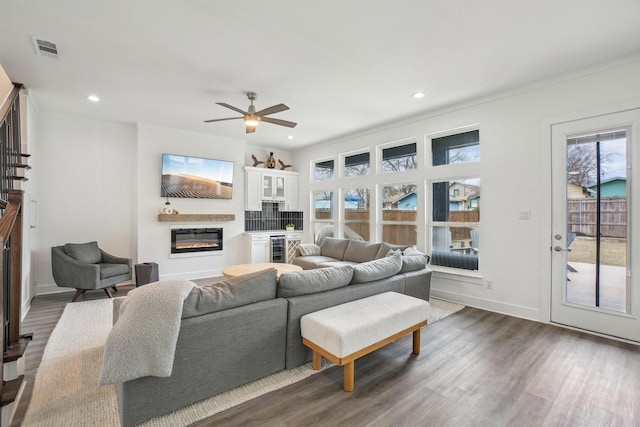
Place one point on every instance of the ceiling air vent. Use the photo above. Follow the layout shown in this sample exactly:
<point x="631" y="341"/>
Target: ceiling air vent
<point x="45" y="48"/>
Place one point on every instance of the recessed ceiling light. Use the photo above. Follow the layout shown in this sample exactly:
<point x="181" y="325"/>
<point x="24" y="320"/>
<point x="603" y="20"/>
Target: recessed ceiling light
<point x="93" y="98"/>
<point x="290" y="137"/>
<point x="418" y="95"/>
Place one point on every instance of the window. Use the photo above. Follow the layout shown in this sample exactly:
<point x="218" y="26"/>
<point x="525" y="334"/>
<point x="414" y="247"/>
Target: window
<point x="323" y="215"/>
<point x="458" y="148"/>
<point x="399" y="158"/>
<point x="323" y="171"/>
<point x="356" y="213"/>
<point x="399" y="214"/>
<point x="356" y="165"/>
<point x="455" y="220"/>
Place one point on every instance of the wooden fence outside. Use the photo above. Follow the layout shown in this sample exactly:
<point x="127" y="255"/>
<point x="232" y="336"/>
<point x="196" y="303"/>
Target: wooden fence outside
<point x="582" y="214"/>
<point x="400" y="234"/>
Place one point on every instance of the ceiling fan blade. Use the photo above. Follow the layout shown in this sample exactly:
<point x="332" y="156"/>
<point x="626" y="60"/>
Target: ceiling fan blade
<point x="250" y="129"/>
<point x="278" y="122"/>
<point x="232" y="108"/>
<point x="221" y="120"/>
<point x="272" y="110"/>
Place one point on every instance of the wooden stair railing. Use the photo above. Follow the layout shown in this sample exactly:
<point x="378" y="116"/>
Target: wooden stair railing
<point x="14" y="345"/>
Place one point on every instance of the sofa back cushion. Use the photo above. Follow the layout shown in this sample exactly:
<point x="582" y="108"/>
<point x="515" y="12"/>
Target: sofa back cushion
<point x="295" y="283"/>
<point x="358" y="251"/>
<point x="232" y="292"/>
<point x="377" y="269"/>
<point x="88" y="253"/>
<point x="334" y="247"/>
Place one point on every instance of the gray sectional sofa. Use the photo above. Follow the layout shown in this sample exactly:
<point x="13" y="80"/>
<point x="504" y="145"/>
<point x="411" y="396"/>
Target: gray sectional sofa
<point x="241" y="329"/>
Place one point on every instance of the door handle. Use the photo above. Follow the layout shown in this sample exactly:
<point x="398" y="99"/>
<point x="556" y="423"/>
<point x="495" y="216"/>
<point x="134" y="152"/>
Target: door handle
<point x="559" y="249"/>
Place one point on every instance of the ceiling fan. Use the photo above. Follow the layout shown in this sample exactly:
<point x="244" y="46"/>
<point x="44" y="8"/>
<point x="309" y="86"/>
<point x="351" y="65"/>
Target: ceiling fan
<point x="252" y="118"/>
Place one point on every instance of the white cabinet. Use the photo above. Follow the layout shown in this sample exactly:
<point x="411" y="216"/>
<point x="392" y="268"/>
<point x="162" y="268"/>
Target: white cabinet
<point x="268" y="185"/>
<point x="273" y="187"/>
<point x="260" y="251"/>
<point x="252" y="196"/>
<point x="291" y="194"/>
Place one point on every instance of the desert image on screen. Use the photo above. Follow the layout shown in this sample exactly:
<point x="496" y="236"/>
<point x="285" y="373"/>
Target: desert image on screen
<point x="195" y="187"/>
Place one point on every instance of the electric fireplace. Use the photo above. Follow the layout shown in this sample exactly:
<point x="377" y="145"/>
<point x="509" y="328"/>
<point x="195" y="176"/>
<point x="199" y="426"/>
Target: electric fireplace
<point x="184" y="240"/>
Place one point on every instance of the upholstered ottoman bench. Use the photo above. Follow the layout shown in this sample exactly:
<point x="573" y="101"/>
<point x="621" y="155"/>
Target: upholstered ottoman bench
<point x="346" y="332"/>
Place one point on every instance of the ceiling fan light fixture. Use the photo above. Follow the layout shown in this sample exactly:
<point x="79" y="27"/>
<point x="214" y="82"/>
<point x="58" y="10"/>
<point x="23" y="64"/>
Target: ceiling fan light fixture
<point x="251" y="121"/>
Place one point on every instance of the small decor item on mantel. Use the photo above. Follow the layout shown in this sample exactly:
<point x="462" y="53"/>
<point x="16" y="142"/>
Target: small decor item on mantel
<point x="256" y="162"/>
<point x="290" y="227"/>
<point x="282" y="165"/>
<point x="271" y="161"/>
<point x="167" y="209"/>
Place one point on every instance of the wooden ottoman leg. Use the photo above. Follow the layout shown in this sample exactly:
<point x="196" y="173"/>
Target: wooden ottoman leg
<point x="349" y="369"/>
<point x="416" y="341"/>
<point x="316" y="360"/>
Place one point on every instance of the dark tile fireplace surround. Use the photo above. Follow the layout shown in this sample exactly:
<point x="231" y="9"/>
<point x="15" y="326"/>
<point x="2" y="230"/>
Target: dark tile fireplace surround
<point x="270" y="218"/>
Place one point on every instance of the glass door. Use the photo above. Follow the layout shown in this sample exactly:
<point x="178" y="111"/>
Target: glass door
<point x="593" y="217"/>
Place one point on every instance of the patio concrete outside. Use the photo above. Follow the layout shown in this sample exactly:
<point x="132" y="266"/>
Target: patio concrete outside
<point x="613" y="283"/>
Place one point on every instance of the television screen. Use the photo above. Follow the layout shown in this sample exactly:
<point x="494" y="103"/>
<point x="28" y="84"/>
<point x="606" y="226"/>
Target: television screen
<point x="195" y="177"/>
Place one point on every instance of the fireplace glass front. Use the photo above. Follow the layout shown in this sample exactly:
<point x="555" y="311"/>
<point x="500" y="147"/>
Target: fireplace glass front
<point x="184" y="240"/>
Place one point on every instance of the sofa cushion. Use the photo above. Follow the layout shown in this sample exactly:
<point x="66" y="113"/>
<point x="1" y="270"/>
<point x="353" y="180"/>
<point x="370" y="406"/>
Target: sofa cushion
<point x="377" y="269"/>
<point x="312" y="261"/>
<point x="88" y="253"/>
<point x="233" y="292"/>
<point x="295" y="283"/>
<point x="337" y="263"/>
<point x="334" y="247"/>
<point x="307" y="249"/>
<point x="113" y="270"/>
<point x="385" y="247"/>
<point x="358" y="251"/>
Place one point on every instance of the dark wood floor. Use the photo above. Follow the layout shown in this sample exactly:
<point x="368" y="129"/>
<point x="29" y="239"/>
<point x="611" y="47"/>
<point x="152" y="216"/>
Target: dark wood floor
<point x="41" y="319"/>
<point x="476" y="368"/>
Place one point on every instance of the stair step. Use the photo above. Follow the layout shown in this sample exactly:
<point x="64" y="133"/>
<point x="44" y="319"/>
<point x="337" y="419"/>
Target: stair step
<point x="10" y="390"/>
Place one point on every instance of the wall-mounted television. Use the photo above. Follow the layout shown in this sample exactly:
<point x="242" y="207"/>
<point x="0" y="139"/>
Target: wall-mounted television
<point x="196" y="178"/>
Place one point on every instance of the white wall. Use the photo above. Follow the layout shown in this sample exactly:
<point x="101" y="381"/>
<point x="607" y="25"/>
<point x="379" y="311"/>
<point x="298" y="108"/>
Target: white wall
<point x="154" y="242"/>
<point x="86" y="187"/>
<point x="100" y="181"/>
<point x="515" y="176"/>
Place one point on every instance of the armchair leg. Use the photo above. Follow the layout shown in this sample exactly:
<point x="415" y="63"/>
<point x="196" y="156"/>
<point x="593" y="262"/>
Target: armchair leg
<point x="77" y="294"/>
<point x="114" y="289"/>
<point x="108" y="292"/>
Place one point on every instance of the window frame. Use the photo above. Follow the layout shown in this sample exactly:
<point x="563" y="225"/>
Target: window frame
<point x="380" y="155"/>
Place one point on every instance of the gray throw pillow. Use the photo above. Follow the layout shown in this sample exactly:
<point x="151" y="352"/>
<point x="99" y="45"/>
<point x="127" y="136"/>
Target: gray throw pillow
<point x="233" y="292"/>
<point x="377" y="269"/>
<point x="358" y="251"/>
<point x="384" y="249"/>
<point x="307" y="249"/>
<point x="88" y="253"/>
<point x="413" y="263"/>
<point x="334" y="247"/>
<point x="305" y="282"/>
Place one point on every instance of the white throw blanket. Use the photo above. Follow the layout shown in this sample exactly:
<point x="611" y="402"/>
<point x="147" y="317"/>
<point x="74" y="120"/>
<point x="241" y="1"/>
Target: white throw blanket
<point x="143" y="340"/>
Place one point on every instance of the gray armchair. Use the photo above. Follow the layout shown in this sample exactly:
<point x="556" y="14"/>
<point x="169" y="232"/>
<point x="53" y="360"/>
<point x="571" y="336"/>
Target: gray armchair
<point x="84" y="266"/>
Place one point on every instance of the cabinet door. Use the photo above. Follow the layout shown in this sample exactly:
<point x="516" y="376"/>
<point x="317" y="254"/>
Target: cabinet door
<point x="260" y="249"/>
<point x="291" y="200"/>
<point x="279" y="190"/>
<point x="267" y="187"/>
<point x="252" y="200"/>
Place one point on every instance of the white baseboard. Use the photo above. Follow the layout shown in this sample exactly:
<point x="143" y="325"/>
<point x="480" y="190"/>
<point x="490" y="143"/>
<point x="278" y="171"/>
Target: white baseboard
<point x="528" y="313"/>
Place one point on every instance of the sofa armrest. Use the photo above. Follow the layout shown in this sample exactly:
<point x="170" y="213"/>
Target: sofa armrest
<point x="112" y="259"/>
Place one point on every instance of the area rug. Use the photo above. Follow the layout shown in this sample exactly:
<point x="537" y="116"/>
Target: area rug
<point x="66" y="391"/>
